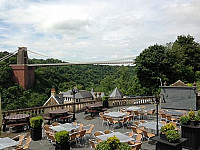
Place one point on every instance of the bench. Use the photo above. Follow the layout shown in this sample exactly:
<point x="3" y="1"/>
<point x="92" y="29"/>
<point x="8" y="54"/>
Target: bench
<point x="17" y="126"/>
<point x="66" y="118"/>
<point x="48" y="118"/>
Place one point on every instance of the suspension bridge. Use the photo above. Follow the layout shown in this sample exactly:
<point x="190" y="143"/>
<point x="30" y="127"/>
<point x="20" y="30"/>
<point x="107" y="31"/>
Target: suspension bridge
<point x="24" y="73"/>
<point x="129" y="60"/>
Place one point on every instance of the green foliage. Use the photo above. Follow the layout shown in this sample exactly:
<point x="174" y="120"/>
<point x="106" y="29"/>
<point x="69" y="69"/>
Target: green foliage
<point x="198" y="112"/>
<point x="184" y="119"/>
<point x="62" y="137"/>
<point x="172" y="135"/>
<point x="36" y="122"/>
<point x="191" y="114"/>
<point x="197" y="118"/>
<point x="112" y="143"/>
<point x="168" y="126"/>
<point x="105" y="98"/>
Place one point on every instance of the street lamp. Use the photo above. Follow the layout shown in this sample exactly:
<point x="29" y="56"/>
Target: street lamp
<point x="74" y="91"/>
<point x="157" y="103"/>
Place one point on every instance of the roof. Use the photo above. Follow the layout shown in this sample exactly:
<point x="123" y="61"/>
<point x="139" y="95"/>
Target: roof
<point x="116" y="93"/>
<point x="80" y="95"/>
<point x="58" y="99"/>
<point x="179" y="83"/>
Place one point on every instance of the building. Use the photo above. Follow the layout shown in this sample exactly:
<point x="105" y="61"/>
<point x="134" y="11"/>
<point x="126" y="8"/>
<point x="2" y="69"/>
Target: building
<point x="97" y="95"/>
<point x="67" y="97"/>
<point x="116" y="93"/>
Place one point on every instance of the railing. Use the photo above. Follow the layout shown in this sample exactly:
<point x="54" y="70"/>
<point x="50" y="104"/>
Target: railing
<point x="113" y="102"/>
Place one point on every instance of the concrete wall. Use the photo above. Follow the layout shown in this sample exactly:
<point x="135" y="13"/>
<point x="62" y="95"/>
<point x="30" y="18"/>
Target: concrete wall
<point x="179" y="97"/>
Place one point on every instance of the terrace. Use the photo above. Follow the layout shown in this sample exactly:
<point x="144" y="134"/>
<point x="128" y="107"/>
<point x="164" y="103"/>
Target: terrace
<point x="87" y="119"/>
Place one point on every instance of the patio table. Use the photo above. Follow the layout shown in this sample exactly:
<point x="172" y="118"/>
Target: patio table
<point x="120" y="136"/>
<point x="152" y="125"/>
<point x="7" y="142"/>
<point x="133" y="108"/>
<point x="66" y="126"/>
<point x="173" y="112"/>
<point x="116" y="114"/>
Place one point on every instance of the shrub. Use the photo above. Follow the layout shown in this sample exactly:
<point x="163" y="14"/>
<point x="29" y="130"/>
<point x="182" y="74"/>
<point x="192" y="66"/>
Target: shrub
<point x="112" y="143"/>
<point x="172" y="135"/>
<point x="198" y="112"/>
<point x="62" y="137"/>
<point x="197" y="118"/>
<point x="168" y="126"/>
<point x="191" y="114"/>
<point x="184" y="119"/>
<point x="105" y="98"/>
<point x="36" y="122"/>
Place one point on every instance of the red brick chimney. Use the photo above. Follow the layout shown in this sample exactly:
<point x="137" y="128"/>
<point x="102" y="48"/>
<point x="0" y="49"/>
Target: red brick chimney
<point x="53" y="92"/>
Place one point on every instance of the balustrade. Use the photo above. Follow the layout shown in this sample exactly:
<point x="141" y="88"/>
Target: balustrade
<point x="113" y="102"/>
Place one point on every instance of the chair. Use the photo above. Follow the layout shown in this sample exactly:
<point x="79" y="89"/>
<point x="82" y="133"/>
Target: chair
<point x="136" y="114"/>
<point x="89" y="131"/>
<point x="97" y="133"/>
<point x="107" y="131"/>
<point x="136" y="130"/>
<point x="73" y="137"/>
<point x="151" y="113"/>
<point x="136" y="146"/>
<point x="80" y="127"/>
<point x="143" y="121"/>
<point x="46" y="128"/>
<point x="105" y="120"/>
<point x="55" y="124"/>
<point x="80" y="135"/>
<point x="74" y="123"/>
<point x="138" y="138"/>
<point x="148" y="135"/>
<point x="112" y="121"/>
<point x="163" y="117"/>
<point x="26" y="146"/>
<point x="130" y="134"/>
<point x="124" y="121"/>
<point x="93" y="144"/>
<point x="50" y="137"/>
<point x="21" y="138"/>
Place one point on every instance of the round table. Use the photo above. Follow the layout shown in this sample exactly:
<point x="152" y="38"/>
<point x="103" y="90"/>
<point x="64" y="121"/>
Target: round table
<point x="116" y="114"/>
<point x="17" y="117"/>
<point x="58" y="111"/>
<point x="133" y="108"/>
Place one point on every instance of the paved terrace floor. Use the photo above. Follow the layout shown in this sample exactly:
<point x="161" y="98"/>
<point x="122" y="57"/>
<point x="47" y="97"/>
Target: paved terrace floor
<point x="86" y="119"/>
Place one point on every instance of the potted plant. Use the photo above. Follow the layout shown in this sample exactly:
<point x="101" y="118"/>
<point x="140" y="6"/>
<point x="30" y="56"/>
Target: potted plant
<point x="105" y="101"/>
<point x="173" y="136"/>
<point x="36" y="128"/>
<point x="184" y="120"/>
<point x="62" y="140"/>
<point x="165" y="128"/>
<point x="191" y="114"/>
<point x="112" y="143"/>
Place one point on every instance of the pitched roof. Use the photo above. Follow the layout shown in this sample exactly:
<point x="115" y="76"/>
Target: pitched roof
<point x="179" y="83"/>
<point x="80" y="95"/>
<point x="116" y="93"/>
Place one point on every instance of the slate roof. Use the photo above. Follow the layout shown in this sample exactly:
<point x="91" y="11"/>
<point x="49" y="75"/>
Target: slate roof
<point x="179" y="83"/>
<point x="80" y="95"/>
<point x="116" y="93"/>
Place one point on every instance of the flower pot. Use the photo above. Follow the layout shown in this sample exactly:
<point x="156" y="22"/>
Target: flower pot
<point x="193" y="123"/>
<point x="163" y="136"/>
<point x="36" y="133"/>
<point x="64" y="146"/>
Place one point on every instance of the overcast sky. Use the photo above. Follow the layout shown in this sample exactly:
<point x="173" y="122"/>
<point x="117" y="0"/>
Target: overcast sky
<point x="88" y="30"/>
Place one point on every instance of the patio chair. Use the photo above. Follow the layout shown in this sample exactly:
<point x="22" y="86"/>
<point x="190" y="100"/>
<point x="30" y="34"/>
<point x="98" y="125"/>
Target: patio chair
<point x="138" y="138"/>
<point x="93" y="144"/>
<point x="80" y="127"/>
<point x="107" y="131"/>
<point x="148" y="135"/>
<point x="143" y="121"/>
<point x="55" y="124"/>
<point x="20" y="141"/>
<point x="80" y="136"/>
<point x="151" y="113"/>
<point x="73" y="137"/>
<point x="136" y="130"/>
<point x="136" y="146"/>
<point x="130" y="134"/>
<point x="124" y="121"/>
<point x="89" y="131"/>
<point x="136" y="114"/>
<point x="112" y="122"/>
<point x="97" y="133"/>
<point x="26" y="146"/>
<point x="105" y="120"/>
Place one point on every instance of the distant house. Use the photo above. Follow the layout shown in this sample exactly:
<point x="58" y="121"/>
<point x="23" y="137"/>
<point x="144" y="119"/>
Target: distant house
<point x="97" y="95"/>
<point x="116" y="93"/>
<point x="67" y="97"/>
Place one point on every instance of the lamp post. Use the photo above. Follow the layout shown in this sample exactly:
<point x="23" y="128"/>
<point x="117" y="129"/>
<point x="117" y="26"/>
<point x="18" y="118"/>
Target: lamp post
<point x="74" y="91"/>
<point x="157" y="103"/>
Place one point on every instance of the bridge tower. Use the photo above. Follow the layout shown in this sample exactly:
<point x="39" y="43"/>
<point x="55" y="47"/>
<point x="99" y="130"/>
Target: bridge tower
<point x="24" y="75"/>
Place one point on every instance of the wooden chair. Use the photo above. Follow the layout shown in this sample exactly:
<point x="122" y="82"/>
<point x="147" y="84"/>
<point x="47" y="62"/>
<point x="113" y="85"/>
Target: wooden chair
<point x="107" y="131"/>
<point x="97" y="133"/>
<point x="20" y="141"/>
<point x="138" y="138"/>
<point x="80" y="127"/>
<point x="55" y="124"/>
<point x="148" y="135"/>
<point x="89" y="131"/>
<point x="26" y="146"/>
<point x="130" y="134"/>
<point x="136" y="130"/>
<point x="112" y="122"/>
<point x="136" y="146"/>
<point x="93" y="143"/>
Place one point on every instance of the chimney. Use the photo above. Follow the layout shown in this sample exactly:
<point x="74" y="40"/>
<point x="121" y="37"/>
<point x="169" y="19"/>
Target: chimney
<point x="53" y="92"/>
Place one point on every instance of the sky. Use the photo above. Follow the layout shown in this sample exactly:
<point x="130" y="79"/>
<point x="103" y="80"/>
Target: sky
<point x="94" y="30"/>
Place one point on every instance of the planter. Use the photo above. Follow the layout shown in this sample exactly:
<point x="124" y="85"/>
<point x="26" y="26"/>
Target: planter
<point x="194" y="123"/>
<point x="105" y="104"/>
<point x="36" y="133"/>
<point x="165" y="145"/>
<point x="64" y="146"/>
<point x="163" y="136"/>
<point x="192" y="134"/>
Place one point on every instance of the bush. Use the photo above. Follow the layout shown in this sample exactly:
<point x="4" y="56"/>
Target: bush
<point x="184" y="119"/>
<point x="168" y="126"/>
<point x="198" y="112"/>
<point x="36" y="122"/>
<point x="62" y="137"/>
<point x="191" y="114"/>
<point x="197" y="118"/>
<point x="105" y="98"/>
<point x="112" y="143"/>
<point x="172" y="135"/>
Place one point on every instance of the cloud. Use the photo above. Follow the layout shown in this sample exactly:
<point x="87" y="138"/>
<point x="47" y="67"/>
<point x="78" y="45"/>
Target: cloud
<point x="95" y="30"/>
